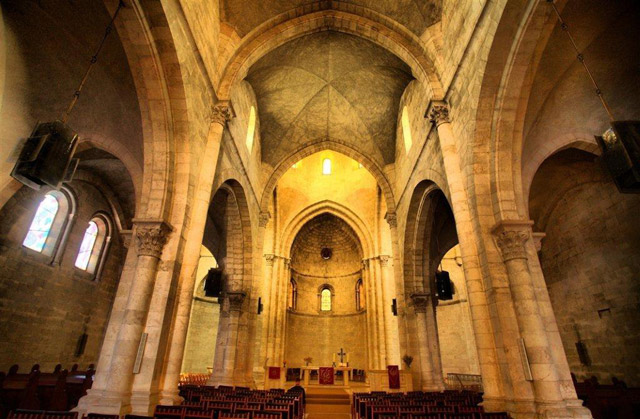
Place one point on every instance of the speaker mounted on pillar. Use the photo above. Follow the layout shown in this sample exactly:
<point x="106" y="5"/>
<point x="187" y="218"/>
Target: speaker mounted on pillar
<point x="444" y="288"/>
<point x="213" y="283"/>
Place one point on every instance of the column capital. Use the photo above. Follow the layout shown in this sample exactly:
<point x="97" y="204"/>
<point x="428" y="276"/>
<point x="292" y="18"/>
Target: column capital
<point x="365" y="263"/>
<point x="511" y="237"/>
<point x="537" y="237"/>
<point x="263" y="218"/>
<point x="126" y="236"/>
<point x="235" y="298"/>
<point x="438" y="112"/>
<point x="392" y="219"/>
<point x="151" y="236"/>
<point x="421" y="301"/>
<point x="384" y="260"/>
<point x="222" y="112"/>
<point x="269" y="258"/>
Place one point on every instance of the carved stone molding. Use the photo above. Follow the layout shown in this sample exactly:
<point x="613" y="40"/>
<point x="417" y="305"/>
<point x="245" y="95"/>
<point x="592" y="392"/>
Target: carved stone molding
<point x="263" y="218"/>
<point x="151" y="236"/>
<point x="420" y="301"/>
<point x="222" y="113"/>
<point x="511" y="237"/>
<point x="235" y="299"/>
<point x="392" y="219"/>
<point x="438" y="112"/>
<point x="365" y="264"/>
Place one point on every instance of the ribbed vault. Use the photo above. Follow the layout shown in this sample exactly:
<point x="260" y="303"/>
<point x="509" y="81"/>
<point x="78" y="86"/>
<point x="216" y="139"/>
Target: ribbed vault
<point x="332" y="86"/>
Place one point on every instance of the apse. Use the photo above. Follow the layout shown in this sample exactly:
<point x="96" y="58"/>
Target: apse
<point x="325" y="312"/>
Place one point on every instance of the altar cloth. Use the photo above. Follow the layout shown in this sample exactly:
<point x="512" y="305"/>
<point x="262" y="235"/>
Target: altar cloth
<point x="325" y="375"/>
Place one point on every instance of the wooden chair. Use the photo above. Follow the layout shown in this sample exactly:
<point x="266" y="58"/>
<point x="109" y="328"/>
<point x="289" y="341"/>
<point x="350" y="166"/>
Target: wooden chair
<point x="168" y="412"/>
<point x="60" y="415"/>
<point x="25" y="414"/>
<point x="101" y="416"/>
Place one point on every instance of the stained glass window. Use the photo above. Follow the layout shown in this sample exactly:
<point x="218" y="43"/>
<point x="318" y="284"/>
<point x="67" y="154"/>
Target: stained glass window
<point x="86" y="247"/>
<point x="42" y="222"/>
<point x="325" y="300"/>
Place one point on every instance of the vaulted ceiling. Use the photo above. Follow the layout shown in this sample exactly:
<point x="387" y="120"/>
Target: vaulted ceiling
<point x="329" y="86"/>
<point x="415" y="15"/>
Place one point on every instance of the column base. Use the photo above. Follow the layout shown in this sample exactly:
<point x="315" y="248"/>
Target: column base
<point x="105" y="402"/>
<point x="170" y="398"/>
<point x="491" y="404"/>
<point x="578" y="410"/>
<point x="143" y="403"/>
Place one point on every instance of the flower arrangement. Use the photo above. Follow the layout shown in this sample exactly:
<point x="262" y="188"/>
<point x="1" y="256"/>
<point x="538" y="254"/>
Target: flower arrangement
<point x="407" y="359"/>
<point x="308" y="360"/>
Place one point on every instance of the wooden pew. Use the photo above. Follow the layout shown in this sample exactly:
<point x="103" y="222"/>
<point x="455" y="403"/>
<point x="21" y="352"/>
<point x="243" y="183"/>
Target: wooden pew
<point x="19" y="391"/>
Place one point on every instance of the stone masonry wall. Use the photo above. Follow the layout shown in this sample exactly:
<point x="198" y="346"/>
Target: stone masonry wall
<point x="44" y="309"/>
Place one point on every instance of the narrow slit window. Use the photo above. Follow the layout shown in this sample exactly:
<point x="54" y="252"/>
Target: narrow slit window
<point x="251" y="128"/>
<point x="406" y="130"/>
<point x="42" y="222"/>
<point x="326" y="167"/>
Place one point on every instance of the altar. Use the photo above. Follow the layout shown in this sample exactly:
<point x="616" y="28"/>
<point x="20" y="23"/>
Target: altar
<point x="346" y="374"/>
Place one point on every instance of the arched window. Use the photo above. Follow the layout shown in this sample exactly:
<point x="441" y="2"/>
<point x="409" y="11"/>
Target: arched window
<point x="49" y="223"/>
<point x="406" y="130"/>
<point x="251" y="128"/>
<point x="94" y="245"/>
<point x="359" y="295"/>
<point x="293" y="295"/>
<point x="325" y="299"/>
<point x="326" y="166"/>
<point x="42" y="222"/>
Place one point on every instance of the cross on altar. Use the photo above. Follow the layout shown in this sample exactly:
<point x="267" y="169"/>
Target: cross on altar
<point x="342" y="354"/>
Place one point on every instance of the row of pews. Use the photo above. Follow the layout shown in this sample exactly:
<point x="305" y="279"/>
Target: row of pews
<point x="449" y="404"/>
<point x="225" y="402"/>
<point x="59" y="390"/>
<point x="609" y="401"/>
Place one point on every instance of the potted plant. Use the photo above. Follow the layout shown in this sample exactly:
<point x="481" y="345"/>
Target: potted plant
<point x="407" y="359"/>
<point x="308" y="360"/>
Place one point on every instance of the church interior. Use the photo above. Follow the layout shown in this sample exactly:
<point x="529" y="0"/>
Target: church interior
<point x="368" y="209"/>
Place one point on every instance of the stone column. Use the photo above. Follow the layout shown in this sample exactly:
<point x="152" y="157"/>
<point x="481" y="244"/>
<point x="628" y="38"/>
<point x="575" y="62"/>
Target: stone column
<point x="372" y="331"/>
<point x="221" y="114"/>
<point x="438" y="114"/>
<point x="393" y="357"/>
<point x="227" y="341"/>
<point x="375" y="274"/>
<point x="511" y="238"/>
<point x="430" y="364"/>
<point x="114" y="398"/>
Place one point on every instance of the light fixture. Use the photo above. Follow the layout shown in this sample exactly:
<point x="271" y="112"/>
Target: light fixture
<point x="620" y="144"/>
<point x="47" y="155"/>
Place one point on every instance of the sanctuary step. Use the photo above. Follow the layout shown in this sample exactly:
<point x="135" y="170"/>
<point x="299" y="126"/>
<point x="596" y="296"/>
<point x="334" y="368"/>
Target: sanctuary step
<point x="327" y="403"/>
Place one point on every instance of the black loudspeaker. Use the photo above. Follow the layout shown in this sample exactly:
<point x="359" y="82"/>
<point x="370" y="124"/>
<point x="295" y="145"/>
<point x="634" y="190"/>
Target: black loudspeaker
<point x="260" y="307"/>
<point x="621" y="154"/>
<point x="443" y="286"/>
<point x="394" y="307"/>
<point x="213" y="283"/>
<point x="582" y="353"/>
<point x="46" y="158"/>
<point x="82" y="343"/>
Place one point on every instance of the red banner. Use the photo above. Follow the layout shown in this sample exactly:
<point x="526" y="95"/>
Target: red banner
<point x="394" y="376"/>
<point x="274" y="373"/>
<point x="325" y="375"/>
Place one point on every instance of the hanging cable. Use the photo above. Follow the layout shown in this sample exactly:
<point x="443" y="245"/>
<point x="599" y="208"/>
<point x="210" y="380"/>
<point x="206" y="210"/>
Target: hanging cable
<point x="94" y="59"/>
<point x="580" y="58"/>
